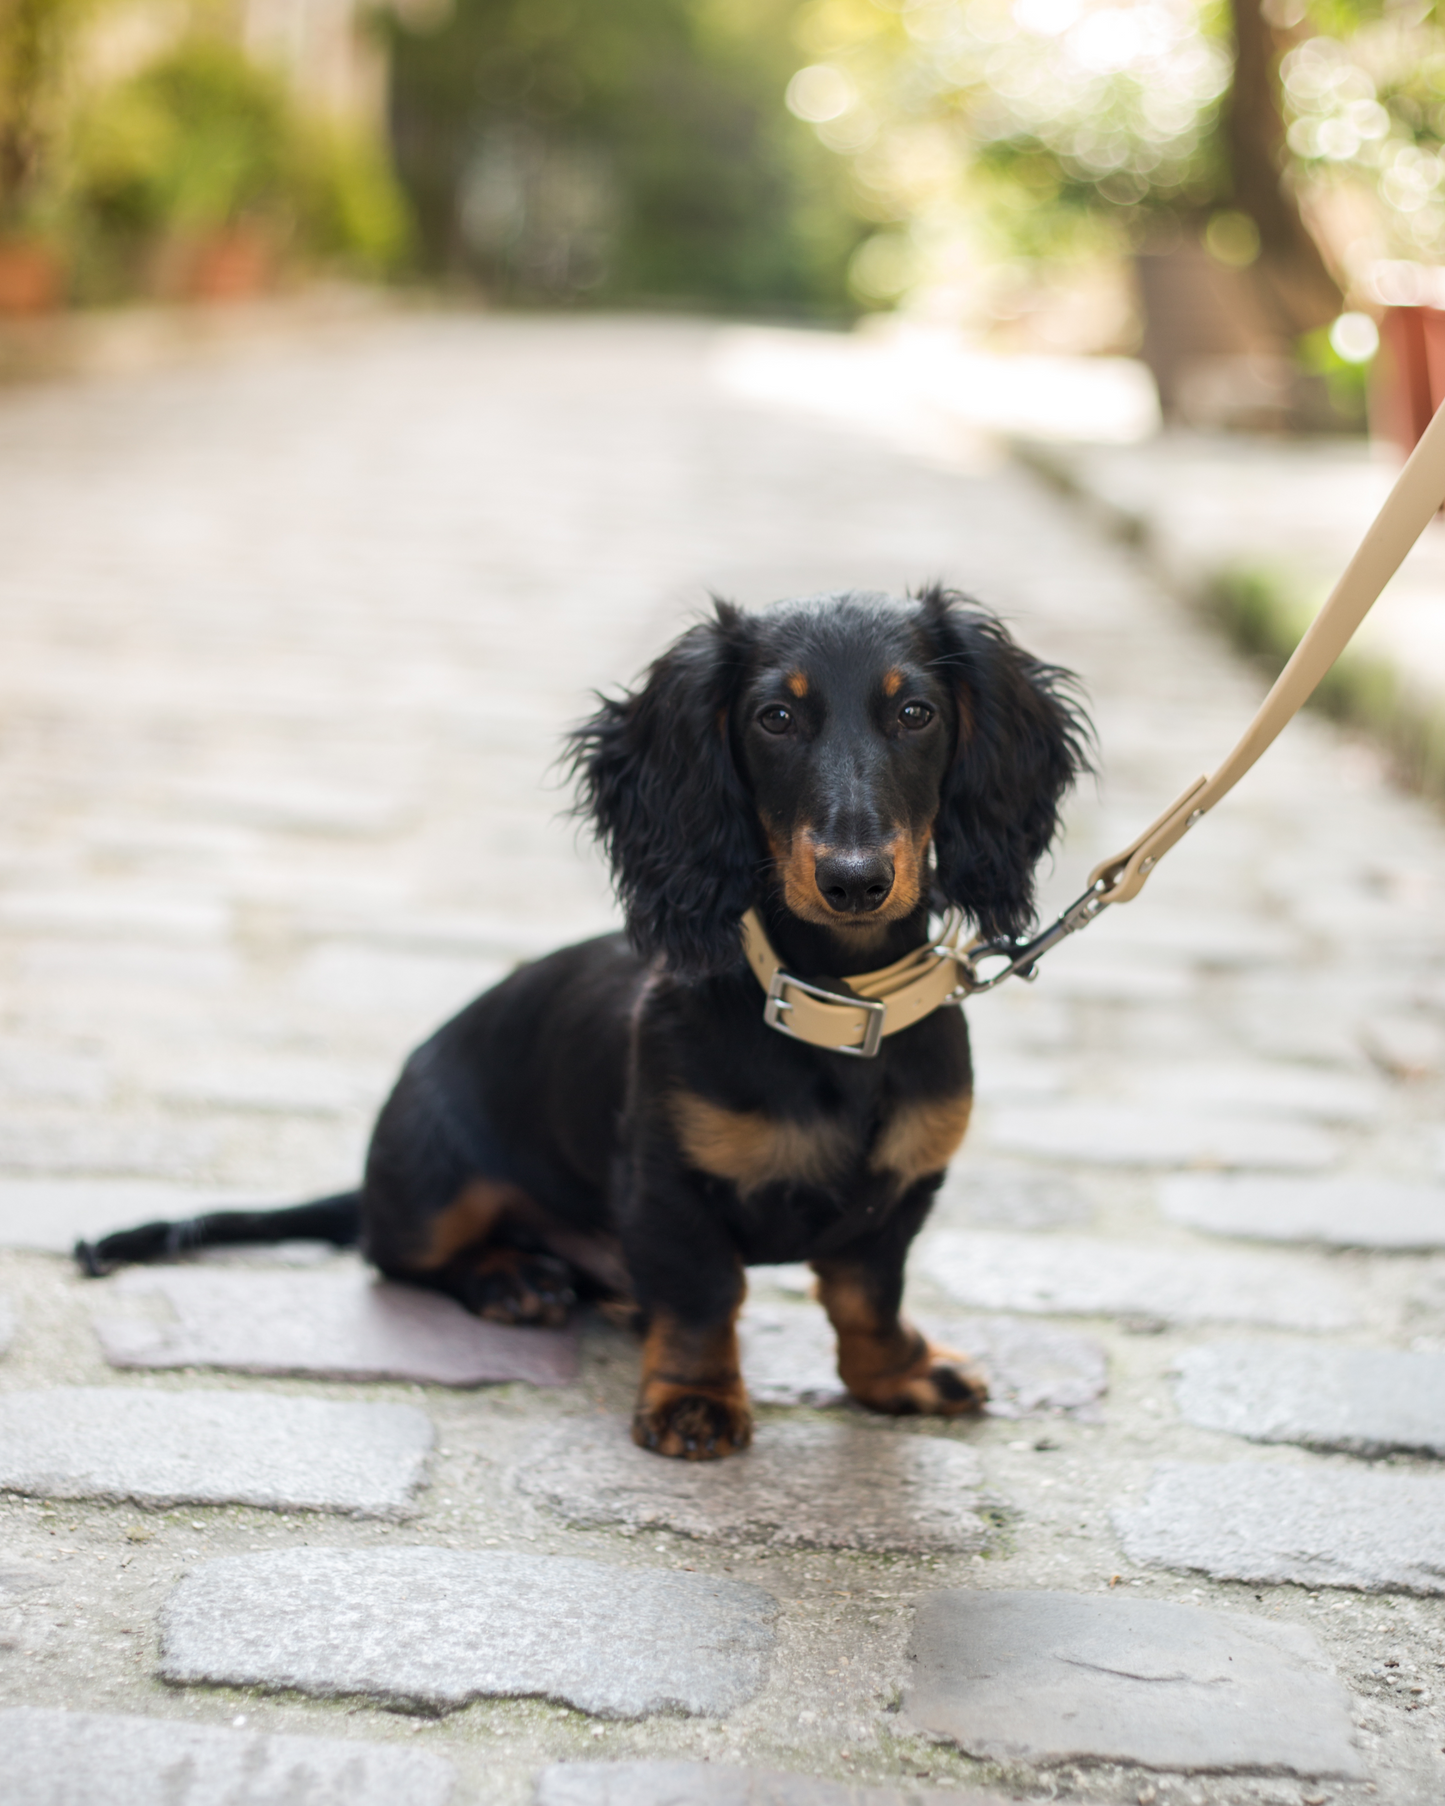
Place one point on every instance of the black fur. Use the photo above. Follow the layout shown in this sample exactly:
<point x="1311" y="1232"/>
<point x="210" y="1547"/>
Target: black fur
<point x="1023" y="740"/>
<point x="657" y="780"/>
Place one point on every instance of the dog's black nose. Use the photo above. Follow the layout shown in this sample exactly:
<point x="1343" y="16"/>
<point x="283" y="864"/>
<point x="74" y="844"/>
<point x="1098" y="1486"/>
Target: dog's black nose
<point x="855" y="883"/>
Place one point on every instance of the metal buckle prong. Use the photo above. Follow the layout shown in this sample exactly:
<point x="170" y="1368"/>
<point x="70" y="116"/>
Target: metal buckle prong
<point x="873" y="1021"/>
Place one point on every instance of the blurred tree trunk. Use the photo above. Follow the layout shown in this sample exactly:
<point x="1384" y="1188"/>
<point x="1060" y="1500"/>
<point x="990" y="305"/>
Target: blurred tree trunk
<point x="1290" y="275"/>
<point x="22" y="75"/>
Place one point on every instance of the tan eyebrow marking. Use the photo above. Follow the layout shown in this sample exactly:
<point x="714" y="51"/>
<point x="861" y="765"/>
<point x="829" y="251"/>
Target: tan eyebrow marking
<point x="892" y="682"/>
<point x="797" y="682"/>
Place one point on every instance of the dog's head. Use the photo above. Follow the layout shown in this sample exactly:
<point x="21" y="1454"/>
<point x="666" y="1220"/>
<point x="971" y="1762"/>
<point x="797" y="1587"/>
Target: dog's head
<point x="858" y="756"/>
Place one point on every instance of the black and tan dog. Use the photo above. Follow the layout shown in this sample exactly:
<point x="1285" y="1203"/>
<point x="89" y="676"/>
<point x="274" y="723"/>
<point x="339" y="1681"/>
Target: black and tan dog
<point x="618" y="1120"/>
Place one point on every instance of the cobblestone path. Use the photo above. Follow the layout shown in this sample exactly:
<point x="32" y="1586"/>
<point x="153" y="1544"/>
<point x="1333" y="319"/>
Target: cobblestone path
<point x="287" y="646"/>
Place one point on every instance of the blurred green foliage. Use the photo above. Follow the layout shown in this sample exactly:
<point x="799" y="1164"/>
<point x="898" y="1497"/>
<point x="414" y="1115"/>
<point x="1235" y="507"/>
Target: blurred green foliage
<point x="636" y="150"/>
<point x="1346" y="380"/>
<point x="1365" y="96"/>
<point x="202" y="141"/>
<point x="1052" y="131"/>
<point x="1057" y="126"/>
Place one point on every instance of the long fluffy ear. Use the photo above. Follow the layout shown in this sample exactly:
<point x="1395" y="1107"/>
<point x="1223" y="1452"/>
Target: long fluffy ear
<point x="657" y="778"/>
<point x="1022" y="741"/>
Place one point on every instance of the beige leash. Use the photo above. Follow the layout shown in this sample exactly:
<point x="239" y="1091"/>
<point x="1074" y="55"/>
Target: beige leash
<point x="1408" y="509"/>
<point x="942" y="972"/>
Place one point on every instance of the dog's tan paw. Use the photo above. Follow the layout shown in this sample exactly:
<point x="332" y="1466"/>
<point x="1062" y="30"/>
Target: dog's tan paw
<point x="951" y="1386"/>
<point x="691" y="1424"/>
<point x="939" y="1382"/>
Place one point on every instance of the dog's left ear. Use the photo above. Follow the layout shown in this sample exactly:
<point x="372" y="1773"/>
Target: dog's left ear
<point x="656" y="776"/>
<point x="1022" y="739"/>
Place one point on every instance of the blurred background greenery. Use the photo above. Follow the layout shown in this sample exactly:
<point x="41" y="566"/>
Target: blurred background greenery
<point x="1238" y="190"/>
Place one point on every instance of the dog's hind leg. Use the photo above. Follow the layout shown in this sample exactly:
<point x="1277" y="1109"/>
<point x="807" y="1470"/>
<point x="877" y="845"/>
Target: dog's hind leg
<point x="439" y="1210"/>
<point x="477" y="1249"/>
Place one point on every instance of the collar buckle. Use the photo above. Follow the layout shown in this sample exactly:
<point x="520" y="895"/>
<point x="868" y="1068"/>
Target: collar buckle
<point x="776" y="1007"/>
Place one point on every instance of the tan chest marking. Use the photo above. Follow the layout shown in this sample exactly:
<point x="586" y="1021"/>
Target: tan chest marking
<point x="922" y="1138"/>
<point x="752" y="1149"/>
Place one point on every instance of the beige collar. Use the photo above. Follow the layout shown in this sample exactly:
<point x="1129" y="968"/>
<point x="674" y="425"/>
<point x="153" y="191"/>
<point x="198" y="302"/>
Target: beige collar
<point x="884" y="1002"/>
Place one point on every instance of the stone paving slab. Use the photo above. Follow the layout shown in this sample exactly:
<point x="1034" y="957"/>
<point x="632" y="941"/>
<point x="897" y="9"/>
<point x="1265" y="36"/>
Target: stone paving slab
<point x="789" y="1354"/>
<point x="20" y="1576"/>
<point x="1104" y="1134"/>
<point x="85" y="1758"/>
<point x="1319" y="1525"/>
<point x="1354" y="1212"/>
<point x="435" y="1628"/>
<point x="53" y="1214"/>
<point x="1034" y="1369"/>
<point x="819" y="1485"/>
<point x="1047" y="1677"/>
<point x="789" y="1358"/>
<point x="1363" y="1401"/>
<point x="1082" y="1277"/>
<point x="1000" y="1197"/>
<point x="715" y="1784"/>
<point x="271" y="1084"/>
<point x="329" y="1325"/>
<point x="213" y="1448"/>
<point x="1262" y="1088"/>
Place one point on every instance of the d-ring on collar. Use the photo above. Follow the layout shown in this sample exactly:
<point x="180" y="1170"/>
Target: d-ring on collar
<point x="882" y="1003"/>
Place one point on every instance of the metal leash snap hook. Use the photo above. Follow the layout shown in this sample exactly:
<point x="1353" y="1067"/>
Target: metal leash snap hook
<point x="970" y="959"/>
<point x="1023" y="956"/>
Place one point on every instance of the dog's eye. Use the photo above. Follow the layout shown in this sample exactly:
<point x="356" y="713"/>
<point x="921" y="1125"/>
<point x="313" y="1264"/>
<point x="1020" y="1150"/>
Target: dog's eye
<point x="915" y="714"/>
<point x="776" y="720"/>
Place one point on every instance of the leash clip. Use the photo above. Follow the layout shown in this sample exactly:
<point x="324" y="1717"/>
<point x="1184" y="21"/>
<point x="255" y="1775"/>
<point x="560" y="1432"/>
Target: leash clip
<point x="1022" y="956"/>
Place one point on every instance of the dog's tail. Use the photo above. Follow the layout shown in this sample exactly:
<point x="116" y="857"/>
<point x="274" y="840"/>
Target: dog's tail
<point x="336" y="1219"/>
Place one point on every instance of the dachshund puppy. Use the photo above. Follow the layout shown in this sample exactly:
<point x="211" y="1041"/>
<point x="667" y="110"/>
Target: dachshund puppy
<point x="618" y="1120"/>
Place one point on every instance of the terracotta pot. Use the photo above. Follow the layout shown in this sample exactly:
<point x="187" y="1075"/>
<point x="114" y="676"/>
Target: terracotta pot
<point x="32" y="279"/>
<point x="1410" y="377"/>
<point x="234" y="265"/>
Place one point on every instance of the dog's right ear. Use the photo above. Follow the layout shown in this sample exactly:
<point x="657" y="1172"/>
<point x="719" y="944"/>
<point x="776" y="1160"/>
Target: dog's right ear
<point x="656" y="776"/>
<point x="1023" y="740"/>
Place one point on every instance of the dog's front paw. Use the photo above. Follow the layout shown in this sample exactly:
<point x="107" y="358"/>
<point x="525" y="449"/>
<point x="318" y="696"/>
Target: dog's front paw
<point x="692" y="1424"/>
<point x="951" y="1385"/>
<point x="938" y="1382"/>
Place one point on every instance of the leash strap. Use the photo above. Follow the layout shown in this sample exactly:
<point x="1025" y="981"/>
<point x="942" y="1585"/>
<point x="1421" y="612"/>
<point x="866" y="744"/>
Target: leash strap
<point x="1408" y="509"/>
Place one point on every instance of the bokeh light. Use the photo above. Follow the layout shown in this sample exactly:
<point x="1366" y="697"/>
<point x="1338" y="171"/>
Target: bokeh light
<point x="1355" y="337"/>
